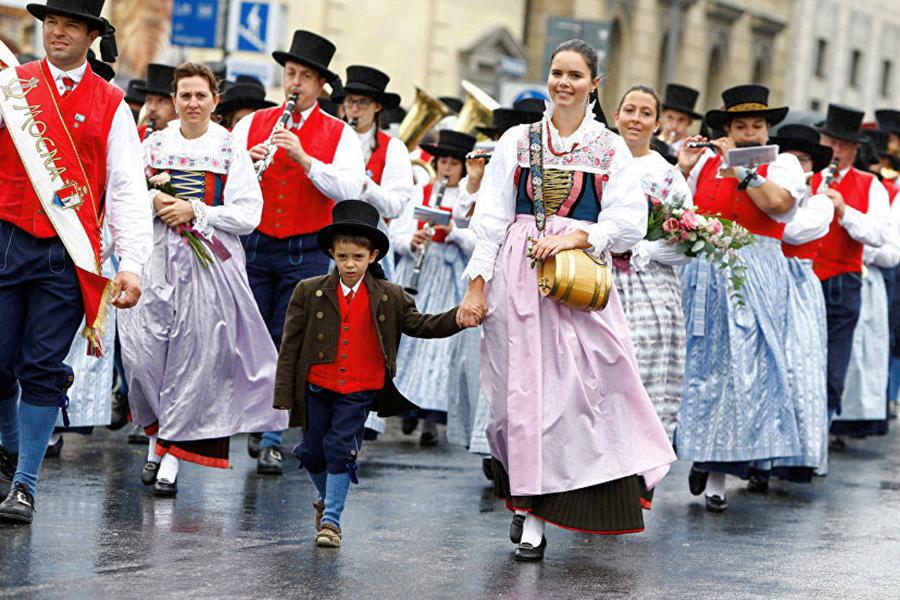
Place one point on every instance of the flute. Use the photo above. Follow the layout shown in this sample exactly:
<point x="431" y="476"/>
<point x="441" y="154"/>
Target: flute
<point x="264" y="163"/>
<point x="709" y="145"/>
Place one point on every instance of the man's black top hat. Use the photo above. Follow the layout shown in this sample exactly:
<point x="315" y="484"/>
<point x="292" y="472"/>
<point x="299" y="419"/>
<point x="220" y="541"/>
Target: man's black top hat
<point x="133" y="93"/>
<point x="745" y="101"/>
<point x="329" y="106"/>
<point x="454" y="104"/>
<point x="503" y="119"/>
<point x="880" y="140"/>
<point x="159" y="80"/>
<point x="681" y="98"/>
<point x="244" y="93"/>
<point x="99" y="67"/>
<point x="888" y="120"/>
<point x="844" y="123"/>
<point x="84" y="10"/>
<point x="354" y="217"/>
<point x="367" y="81"/>
<point x="451" y="143"/>
<point x="803" y="138"/>
<point x="311" y="50"/>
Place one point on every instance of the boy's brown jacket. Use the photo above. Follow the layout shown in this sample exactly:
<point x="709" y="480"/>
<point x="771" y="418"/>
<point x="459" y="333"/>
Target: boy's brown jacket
<point x="312" y="330"/>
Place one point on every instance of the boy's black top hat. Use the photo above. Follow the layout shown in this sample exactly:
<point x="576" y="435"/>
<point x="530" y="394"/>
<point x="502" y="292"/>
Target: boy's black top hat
<point x="99" y="67"/>
<point x="367" y="81"/>
<point x="84" y="10"/>
<point x="888" y="120"/>
<point x="681" y="98"/>
<point x="451" y="143"/>
<point x="745" y="101"/>
<point x="133" y="93"/>
<point x="244" y="93"/>
<point x="311" y="50"/>
<point x="354" y="217"/>
<point x="159" y="80"/>
<point x="802" y="138"/>
<point x="844" y="123"/>
<point x="454" y="104"/>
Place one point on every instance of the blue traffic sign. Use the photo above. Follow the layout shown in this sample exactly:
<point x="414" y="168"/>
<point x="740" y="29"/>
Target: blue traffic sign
<point x="253" y="28"/>
<point x="195" y="23"/>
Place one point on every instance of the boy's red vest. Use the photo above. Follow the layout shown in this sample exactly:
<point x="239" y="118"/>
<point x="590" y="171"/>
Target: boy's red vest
<point x="292" y="204"/>
<point x="838" y="252"/>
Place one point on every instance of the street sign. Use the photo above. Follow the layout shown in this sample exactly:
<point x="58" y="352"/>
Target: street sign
<point x="261" y="69"/>
<point x="561" y="29"/>
<point x="195" y="23"/>
<point x="253" y="27"/>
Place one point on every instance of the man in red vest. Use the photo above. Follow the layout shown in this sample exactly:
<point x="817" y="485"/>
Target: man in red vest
<point x="46" y="285"/>
<point x="861" y="216"/>
<point x="316" y="161"/>
<point x="157" y="90"/>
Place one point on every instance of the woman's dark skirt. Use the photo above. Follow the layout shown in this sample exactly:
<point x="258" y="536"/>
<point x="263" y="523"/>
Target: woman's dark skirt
<point x="212" y="452"/>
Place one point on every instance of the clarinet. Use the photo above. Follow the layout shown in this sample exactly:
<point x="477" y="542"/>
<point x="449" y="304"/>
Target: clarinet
<point x="264" y="163"/>
<point x="354" y="123"/>
<point x="413" y="286"/>
<point x="151" y="125"/>
<point x="828" y="176"/>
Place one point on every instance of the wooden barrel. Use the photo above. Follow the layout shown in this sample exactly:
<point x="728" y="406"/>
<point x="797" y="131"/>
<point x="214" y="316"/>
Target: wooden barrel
<point x="576" y="279"/>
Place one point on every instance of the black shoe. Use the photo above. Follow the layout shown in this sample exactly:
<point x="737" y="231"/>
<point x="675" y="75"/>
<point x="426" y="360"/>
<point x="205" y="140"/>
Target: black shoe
<point x="370" y="435"/>
<point x="837" y="444"/>
<point x="54" y="450"/>
<point x="757" y="484"/>
<point x="137" y="436"/>
<point x="8" y="464"/>
<point x="148" y="474"/>
<point x="165" y="489"/>
<point x="716" y="504"/>
<point x="18" y="507"/>
<point x="409" y="425"/>
<point x="428" y="439"/>
<point x="515" y="528"/>
<point x="119" y="412"/>
<point x="528" y="553"/>
<point x="269" y="461"/>
<point x="697" y="480"/>
<point x="487" y="467"/>
<point x="253" y="441"/>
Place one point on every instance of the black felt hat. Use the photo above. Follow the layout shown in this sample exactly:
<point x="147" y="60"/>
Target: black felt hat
<point x="87" y="11"/>
<point x="503" y="119"/>
<point x="451" y="143"/>
<point x="99" y="67"/>
<point x="454" y="104"/>
<point x="745" y="101"/>
<point x="803" y="138"/>
<point x="888" y="120"/>
<point x="133" y="93"/>
<point x="159" y="80"/>
<point x="393" y="115"/>
<point x="681" y="98"/>
<point x="329" y="106"/>
<point x="311" y="50"/>
<point x="246" y="93"/>
<point x="844" y="123"/>
<point x="368" y="81"/>
<point x="354" y="217"/>
<point x="534" y="105"/>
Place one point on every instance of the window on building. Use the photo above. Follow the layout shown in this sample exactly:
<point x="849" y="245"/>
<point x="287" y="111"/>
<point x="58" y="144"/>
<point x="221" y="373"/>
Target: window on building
<point x="855" y="63"/>
<point x="815" y="105"/>
<point x="821" y="56"/>
<point x="887" y="68"/>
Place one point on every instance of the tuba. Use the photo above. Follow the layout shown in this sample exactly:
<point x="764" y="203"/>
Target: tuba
<point x="476" y="111"/>
<point x="424" y="114"/>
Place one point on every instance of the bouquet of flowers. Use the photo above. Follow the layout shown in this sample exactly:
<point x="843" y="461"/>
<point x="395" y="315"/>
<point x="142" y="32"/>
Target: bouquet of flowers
<point x="695" y="235"/>
<point x="162" y="181"/>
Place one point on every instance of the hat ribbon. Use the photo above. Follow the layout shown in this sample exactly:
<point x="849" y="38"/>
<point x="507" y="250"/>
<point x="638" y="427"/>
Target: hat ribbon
<point x="747" y="107"/>
<point x="108" y="50"/>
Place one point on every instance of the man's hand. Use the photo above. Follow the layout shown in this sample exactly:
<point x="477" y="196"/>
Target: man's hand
<point x="290" y="143"/>
<point x="838" y="200"/>
<point x="258" y="152"/>
<point x="126" y="290"/>
<point x="178" y="213"/>
<point x="688" y="157"/>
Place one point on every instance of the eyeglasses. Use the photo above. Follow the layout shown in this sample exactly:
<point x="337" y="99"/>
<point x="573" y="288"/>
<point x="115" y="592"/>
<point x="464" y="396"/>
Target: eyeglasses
<point x="361" y="101"/>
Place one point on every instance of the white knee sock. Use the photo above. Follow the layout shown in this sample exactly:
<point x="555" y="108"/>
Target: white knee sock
<point x="151" y="452"/>
<point x="168" y="468"/>
<point x="53" y="439"/>
<point x="715" y="485"/>
<point x="521" y="512"/>
<point x="533" y="531"/>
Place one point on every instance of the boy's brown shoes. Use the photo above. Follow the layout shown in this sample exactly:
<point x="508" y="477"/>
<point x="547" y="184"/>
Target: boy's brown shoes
<point x="329" y="536"/>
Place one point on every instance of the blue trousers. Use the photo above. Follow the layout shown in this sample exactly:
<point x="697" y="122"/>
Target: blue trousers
<point x="334" y="429"/>
<point x="274" y="268"/>
<point x="842" y="305"/>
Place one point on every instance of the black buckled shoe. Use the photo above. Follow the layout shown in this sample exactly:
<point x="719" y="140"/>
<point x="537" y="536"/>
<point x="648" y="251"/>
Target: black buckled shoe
<point x="515" y="528"/>
<point x="165" y="489"/>
<point x="148" y="474"/>
<point x="18" y="507"/>
<point x="716" y="504"/>
<point x="697" y="480"/>
<point x="528" y="553"/>
<point x="758" y="484"/>
<point x="253" y="441"/>
<point x="54" y="450"/>
<point x="269" y="462"/>
<point x="8" y="464"/>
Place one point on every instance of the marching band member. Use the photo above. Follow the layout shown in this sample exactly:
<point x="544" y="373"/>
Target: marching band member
<point x="316" y="161"/>
<point x="549" y="369"/>
<point x="157" y="90"/>
<point x="196" y="340"/>
<point x="51" y="278"/>
<point x="736" y="409"/>
<point x="424" y="366"/>
<point x="678" y="115"/>
<point x="645" y="277"/>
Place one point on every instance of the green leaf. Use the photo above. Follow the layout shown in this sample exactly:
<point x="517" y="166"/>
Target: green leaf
<point x="698" y="246"/>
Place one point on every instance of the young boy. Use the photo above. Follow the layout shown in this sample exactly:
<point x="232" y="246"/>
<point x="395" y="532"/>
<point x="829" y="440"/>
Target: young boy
<point x="338" y="356"/>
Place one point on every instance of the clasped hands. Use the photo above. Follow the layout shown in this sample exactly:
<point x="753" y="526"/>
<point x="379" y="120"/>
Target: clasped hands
<point x="173" y="211"/>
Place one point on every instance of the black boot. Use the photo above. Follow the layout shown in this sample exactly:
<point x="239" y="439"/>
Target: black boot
<point x="269" y="462"/>
<point x="8" y="464"/>
<point x="18" y="507"/>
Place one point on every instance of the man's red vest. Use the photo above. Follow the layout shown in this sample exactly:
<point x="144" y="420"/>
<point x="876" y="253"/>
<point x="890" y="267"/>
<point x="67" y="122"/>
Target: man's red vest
<point x="839" y="253"/>
<point x="375" y="166"/>
<point x="891" y="188"/>
<point x="88" y="112"/>
<point x="359" y="364"/>
<point x="292" y="205"/>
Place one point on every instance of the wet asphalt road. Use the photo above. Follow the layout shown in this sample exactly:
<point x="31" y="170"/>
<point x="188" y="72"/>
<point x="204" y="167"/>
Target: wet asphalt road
<point x="423" y="524"/>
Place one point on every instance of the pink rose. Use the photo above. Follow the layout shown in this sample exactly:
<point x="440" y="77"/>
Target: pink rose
<point x="671" y="225"/>
<point x="689" y="220"/>
<point x="714" y="226"/>
<point x="655" y="202"/>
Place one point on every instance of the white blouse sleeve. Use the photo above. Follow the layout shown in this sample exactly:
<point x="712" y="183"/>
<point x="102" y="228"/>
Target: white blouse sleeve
<point x="871" y="227"/>
<point x="888" y="255"/>
<point x="241" y="208"/>
<point x="812" y="220"/>
<point x="496" y="206"/>
<point x="786" y="173"/>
